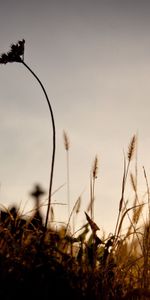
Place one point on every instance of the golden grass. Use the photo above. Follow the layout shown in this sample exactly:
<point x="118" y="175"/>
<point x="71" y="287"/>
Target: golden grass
<point x="85" y="264"/>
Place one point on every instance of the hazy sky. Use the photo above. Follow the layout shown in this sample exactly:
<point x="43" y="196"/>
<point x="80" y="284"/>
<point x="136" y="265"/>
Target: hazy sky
<point x="93" y="58"/>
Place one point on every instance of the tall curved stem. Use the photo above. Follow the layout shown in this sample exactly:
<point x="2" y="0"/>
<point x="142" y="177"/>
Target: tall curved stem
<point x="54" y="141"/>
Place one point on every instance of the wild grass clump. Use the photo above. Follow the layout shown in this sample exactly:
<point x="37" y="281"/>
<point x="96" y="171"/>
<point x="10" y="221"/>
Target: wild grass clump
<point x="41" y="262"/>
<point x="82" y="265"/>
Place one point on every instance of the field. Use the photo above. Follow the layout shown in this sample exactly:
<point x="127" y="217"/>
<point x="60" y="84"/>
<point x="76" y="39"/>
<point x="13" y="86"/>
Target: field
<point x="40" y="262"/>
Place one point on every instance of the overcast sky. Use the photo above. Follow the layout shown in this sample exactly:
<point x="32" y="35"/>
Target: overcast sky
<point x="93" y="58"/>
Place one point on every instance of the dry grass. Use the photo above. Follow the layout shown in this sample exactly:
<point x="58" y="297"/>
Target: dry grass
<point x="40" y="262"/>
<point x="81" y="265"/>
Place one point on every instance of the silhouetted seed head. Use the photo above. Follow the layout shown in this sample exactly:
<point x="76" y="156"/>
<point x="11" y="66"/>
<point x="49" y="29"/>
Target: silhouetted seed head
<point x="95" y="168"/>
<point x="16" y="54"/>
<point x="66" y="141"/>
<point x="136" y="214"/>
<point x="131" y="148"/>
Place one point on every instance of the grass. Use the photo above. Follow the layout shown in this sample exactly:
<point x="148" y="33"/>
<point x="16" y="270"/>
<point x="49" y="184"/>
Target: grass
<point x="40" y="262"/>
<point x="79" y="265"/>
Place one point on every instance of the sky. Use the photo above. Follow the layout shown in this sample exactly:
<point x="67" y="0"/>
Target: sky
<point x="93" y="58"/>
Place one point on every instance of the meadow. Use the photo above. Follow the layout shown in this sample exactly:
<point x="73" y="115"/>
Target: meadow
<point x="43" y="262"/>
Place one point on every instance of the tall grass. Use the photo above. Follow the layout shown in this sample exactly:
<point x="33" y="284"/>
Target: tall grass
<point x="16" y="54"/>
<point x="67" y="146"/>
<point x="82" y="265"/>
<point x="44" y="262"/>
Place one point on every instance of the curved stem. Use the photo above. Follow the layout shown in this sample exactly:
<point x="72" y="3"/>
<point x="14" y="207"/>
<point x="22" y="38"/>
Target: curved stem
<point x="54" y="141"/>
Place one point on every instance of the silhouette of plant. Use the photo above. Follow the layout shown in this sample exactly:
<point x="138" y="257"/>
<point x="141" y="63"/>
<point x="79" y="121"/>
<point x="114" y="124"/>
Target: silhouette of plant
<point x="16" y="54"/>
<point x="85" y="265"/>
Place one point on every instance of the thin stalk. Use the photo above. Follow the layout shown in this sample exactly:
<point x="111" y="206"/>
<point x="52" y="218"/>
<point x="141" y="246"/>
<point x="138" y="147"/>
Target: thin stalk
<point x="92" y="185"/>
<point x="91" y="196"/>
<point x="122" y="196"/>
<point x="67" y="145"/>
<point x="71" y="213"/>
<point x="54" y="141"/>
<point x="68" y="183"/>
<point x="131" y="150"/>
<point x="148" y="190"/>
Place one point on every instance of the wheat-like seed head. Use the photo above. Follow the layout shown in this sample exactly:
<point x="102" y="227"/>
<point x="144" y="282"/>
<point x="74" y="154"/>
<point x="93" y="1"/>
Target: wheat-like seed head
<point x="136" y="214"/>
<point x="66" y="140"/>
<point x="95" y="167"/>
<point x="131" y="148"/>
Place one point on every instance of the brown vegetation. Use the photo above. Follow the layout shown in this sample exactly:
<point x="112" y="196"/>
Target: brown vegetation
<point x="40" y="263"/>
